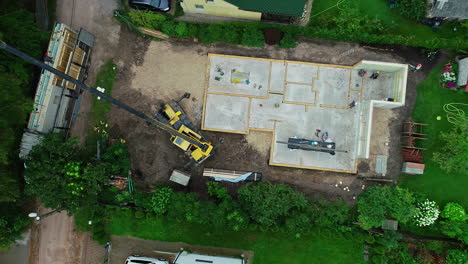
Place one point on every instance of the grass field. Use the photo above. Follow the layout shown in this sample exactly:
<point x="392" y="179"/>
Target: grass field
<point x="437" y="184"/>
<point x="104" y="79"/>
<point x="389" y="16"/>
<point x="321" y="246"/>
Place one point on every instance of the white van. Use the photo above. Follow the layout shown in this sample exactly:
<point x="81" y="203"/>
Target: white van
<point x="137" y="259"/>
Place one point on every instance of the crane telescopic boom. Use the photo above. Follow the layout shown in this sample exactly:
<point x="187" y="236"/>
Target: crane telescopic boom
<point x="205" y="147"/>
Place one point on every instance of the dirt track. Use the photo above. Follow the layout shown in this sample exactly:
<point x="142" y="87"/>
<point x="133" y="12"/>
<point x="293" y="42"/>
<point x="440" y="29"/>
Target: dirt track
<point x="154" y="72"/>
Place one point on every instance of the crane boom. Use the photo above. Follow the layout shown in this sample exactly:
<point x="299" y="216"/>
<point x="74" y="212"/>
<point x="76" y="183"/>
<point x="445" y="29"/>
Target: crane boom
<point x="104" y="96"/>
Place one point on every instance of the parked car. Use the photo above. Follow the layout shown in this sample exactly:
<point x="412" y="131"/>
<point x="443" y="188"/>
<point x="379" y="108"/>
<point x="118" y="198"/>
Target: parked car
<point x="137" y="259"/>
<point x="153" y="5"/>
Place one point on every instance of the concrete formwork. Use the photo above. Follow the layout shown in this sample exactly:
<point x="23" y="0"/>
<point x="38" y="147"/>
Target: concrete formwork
<point x="294" y="100"/>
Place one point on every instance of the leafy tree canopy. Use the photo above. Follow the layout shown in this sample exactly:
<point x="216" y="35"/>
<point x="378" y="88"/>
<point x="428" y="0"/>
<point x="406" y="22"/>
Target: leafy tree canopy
<point x="270" y="204"/>
<point x="377" y="203"/>
<point x="55" y="174"/>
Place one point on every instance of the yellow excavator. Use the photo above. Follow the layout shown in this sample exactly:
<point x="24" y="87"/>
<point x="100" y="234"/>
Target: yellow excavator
<point x="174" y="115"/>
<point x="170" y="119"/>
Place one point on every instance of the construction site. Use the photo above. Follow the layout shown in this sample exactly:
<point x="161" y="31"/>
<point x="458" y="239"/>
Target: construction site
<point x="311" y="120"/>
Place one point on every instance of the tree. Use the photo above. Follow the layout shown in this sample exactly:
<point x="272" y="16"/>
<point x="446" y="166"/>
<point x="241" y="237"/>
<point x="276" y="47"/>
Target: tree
<point x="271" y="204"/>
<point x="117" y="159"/>
<point x="11" y="228"/>
<point x="455" y="229"/>
<point x="456" y="256"/>
<point x="161" y="199"/>
<point x="56" y="175"/>
<point x="330" y="214"/>
<point x="452" y="157"/>
<point x="18" y="29"/>
<point x="377" y="203"/>
<point x="454" y="212"/>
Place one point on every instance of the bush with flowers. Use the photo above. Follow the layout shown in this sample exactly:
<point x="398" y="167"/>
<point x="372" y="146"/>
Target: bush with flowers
<point x="449" y="76"/>
<point x="427" y="213"/>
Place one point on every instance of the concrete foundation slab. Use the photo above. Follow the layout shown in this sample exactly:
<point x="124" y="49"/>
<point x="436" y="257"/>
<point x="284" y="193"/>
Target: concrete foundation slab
<point x="226" y="113"/>
<point x="277" y="76"/>
<point x="340" y="125"/>
<point x="264" y="112"/>
<point x="301" y="73"/>
<point x="231" y="75"/>
<point x="295" y="100"/>
<point x="299" y="93"/>
<point x="379" y="88"/>
<point x="333" y="86"/>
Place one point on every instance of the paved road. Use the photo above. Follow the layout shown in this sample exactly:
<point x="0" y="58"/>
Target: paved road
<point x="18" y="254"/>
<point x="55" y="240"/>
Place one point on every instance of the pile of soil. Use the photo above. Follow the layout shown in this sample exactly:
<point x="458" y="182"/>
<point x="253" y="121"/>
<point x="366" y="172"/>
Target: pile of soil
<point x="272" y="36"/>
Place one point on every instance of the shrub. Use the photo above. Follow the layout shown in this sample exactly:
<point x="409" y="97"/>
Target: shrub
<point x="232" y="34"/>
<point x="252" y="37"/>
<point x="169" y="27"/>
<point x="210" y="33"/>
<point x="161" y="199"/>
<point x="288" y="41"/>
<point x="330" y="214"/>
<point x="412" y="9"/>
<point x="271" y="204"/>
<point x="377" y="203"/>
<point x="192" y="30"/>
<point x="427" y="213"/>
<point x="146" y="19"/>
<point x="183" y="206"/>
<point x="181" y="30"/>
<point x="217" y="191"/>
<point x="454" y="212"/>
<point x="116" y="159"/>
<point x="456" y="256"/>
<point x="143" y="200"/>
<point x="455" y="229"/>
<point x="298" y="223"/>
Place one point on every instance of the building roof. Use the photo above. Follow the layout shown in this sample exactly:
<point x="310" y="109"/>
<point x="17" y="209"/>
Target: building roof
<point x="462" y="72"/>
<point x="450" y="9"/>
<point x="281" y="7"/>
<point x="185" y="257"/>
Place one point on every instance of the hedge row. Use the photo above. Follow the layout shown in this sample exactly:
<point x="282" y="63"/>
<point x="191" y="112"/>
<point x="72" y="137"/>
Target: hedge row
<point x="349" y="26"/>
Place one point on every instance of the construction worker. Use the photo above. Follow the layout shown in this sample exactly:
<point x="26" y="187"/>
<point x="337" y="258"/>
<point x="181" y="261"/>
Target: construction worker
<point x="375" y="75"/>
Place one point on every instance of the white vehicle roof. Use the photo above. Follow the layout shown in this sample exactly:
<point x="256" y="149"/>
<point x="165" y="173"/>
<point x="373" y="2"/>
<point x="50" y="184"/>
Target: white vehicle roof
<point x="144" y="260"/>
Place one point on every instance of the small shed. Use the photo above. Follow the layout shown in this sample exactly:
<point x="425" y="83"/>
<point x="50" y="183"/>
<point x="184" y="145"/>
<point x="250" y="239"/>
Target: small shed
<point x="390" y="225"/>
<point x="413" y="168"/>
<point x="180" y="177"/>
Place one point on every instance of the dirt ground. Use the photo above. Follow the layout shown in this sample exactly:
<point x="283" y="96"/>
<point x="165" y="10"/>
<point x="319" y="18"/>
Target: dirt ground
<point x="124" y="246"/>
<point x="154" y="72"/>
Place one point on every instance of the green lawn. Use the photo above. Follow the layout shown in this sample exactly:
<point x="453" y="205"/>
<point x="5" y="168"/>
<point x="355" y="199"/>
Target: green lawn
<point x="269" y="248"/>
<point x="389" y="16"/>
<point x="104" y="79"/>
<point x="437" y="184"/>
